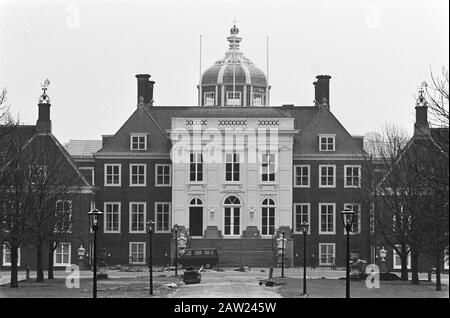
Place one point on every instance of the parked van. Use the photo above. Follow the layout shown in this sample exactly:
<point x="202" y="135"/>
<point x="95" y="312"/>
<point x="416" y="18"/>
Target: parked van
<point x="207" y="257"/>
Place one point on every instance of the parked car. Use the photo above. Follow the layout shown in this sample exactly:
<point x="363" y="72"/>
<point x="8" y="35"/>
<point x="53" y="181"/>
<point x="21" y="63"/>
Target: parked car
<point x="207" y="257"/>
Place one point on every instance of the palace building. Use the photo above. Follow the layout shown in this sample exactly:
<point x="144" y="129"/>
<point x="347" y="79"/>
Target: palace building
<point x="232" y="173"/>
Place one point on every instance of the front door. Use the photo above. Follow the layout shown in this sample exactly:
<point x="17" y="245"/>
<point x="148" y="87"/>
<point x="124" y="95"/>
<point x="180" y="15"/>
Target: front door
<point x="196" y="221"/>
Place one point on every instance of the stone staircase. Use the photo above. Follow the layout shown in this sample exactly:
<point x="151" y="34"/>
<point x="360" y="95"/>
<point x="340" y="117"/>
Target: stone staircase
<point x="236" y="252"/>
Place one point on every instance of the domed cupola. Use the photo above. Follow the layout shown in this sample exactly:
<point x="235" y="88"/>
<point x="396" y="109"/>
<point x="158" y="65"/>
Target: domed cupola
<point x="233" y="73"/>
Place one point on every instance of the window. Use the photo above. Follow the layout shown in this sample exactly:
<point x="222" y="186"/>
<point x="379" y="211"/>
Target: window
<point x="162" y="217"/>
<point x="258" y="99"/>
<point x="327" y="254"/>
<point x="7" y="256"/>
<point x="327" y="218"/>
<point x="112" y="174"/>
<point x="138" y="142"/>
<point x="232" y="216"/>
<point x="397" y="260"/>
<point x="88" y="174"/>
<point x="137" y="252"/>
<point x="62" y="255"/>
<point x="268" y="217"/>
<point x="301" y="177"/>
<point x="268" y="167"/>
<point x="209" y="99"/>
<point x="352" y="176"/>
<point x="327" y="176"/>
<point x="137" y="217"/>
<point x="232" y="167"/>
<point x="233" y="101"/>
<point x="356" y="225"/>
<point x="196" y="167"/>
<point x="63" y="217"/>
<point x="162" y="175"/>
<point x="302" y="214"/>
<point x="112" y="217"/>
<point x="138" y="174"/>
<point x="326" y="142"/>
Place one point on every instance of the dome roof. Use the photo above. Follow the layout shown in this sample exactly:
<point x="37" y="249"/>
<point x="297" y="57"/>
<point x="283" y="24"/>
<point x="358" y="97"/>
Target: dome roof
<point x="234" y="65"/>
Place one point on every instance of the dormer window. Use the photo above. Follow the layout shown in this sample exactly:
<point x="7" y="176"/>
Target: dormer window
<point x="138" y="142"/>
<point x="327" y="142"/>
<point x="209" y="99"/>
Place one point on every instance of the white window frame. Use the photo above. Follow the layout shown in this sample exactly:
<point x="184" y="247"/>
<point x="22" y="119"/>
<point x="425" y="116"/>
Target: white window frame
<point x="196" y="163"/>
<point x="205" y="98"/>
<point x="345" y="176"/>
<point x="320" y="254"/>
<point x="70" y="255"/>
<point x="349" y="205"/>
<point x="295" y="176"/>
<point x="394" y="258"/>
<point x="138" y="135"/>
<point x="157" y="216"/>
<point x="320" y="176"/>
<point x="130" y="254"/>
<point x="119" y="213"/>
<point x="295" y="217"/>
<point x="8" y="264"/>
<point x="92" y="172"/>
<point x="156" y="175"/>
<point x="271" y="167"/>
<point x="320" y="218"/>
<point x="232" y="167"/>
<point x="131" y="175"/>
<point x="234" y="99"/>
<point x="106" y="165"/>
<point x="257" y="96"/>
<point x="327" y="136"/>
<point x="130" y="212"/>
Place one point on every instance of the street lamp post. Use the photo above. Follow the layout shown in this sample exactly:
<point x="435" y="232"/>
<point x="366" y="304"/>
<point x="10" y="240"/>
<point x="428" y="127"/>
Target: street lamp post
<point x="150" y="225"/>
<point x="95" y="218"/>
<point x="175" y="241"/>
<point x="347" y="218"/>
<point x="304" y="228"/>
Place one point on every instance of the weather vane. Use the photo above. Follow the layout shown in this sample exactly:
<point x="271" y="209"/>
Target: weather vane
<point x="44" y="99"/>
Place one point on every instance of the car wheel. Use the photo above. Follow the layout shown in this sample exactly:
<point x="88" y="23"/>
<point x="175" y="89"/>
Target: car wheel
<point x="180" y="266"/>
<point x="208" y="266"/>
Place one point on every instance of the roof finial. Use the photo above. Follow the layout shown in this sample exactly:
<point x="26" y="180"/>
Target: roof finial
<point x="421" y="101"/>
<point x="44" y="99"/>
<point x="234" y="39"/>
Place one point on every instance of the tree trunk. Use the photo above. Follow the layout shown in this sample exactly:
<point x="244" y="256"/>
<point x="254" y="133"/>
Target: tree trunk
<point x="438" y="272"/>
<point x="404" y="270"/>
<point x="14" y="283"/>
<point x="414" y="268"/>
<point x="50" y="261"/>
<point x="39" y="265"/>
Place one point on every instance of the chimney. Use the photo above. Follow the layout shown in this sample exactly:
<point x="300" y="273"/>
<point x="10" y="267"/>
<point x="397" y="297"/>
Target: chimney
<point x="421" y="126"/>
<point x="322" y="90"/>
<point x="44" y="124"/>
<point x="144" y="89"/>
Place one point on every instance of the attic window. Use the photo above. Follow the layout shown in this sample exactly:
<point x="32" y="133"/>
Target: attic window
<point x="327" y="142"/>
<point x="138" y="142"/>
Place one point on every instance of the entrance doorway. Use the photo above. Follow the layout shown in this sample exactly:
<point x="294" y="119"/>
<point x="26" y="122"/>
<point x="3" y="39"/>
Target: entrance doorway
<point x="196" y="217"/>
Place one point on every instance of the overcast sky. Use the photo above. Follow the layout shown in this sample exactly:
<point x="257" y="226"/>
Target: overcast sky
<point x="377" y="52"/>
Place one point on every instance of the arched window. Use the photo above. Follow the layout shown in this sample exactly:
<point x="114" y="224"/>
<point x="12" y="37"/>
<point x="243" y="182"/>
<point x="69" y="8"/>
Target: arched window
<point x="232" y="216"/>
<point x="196" y="202"/>
<point x="232" y="200"/>
<point x="268" y="217"/>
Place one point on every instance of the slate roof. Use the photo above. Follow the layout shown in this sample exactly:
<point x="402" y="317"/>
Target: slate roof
<point x="83" y="148"/>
